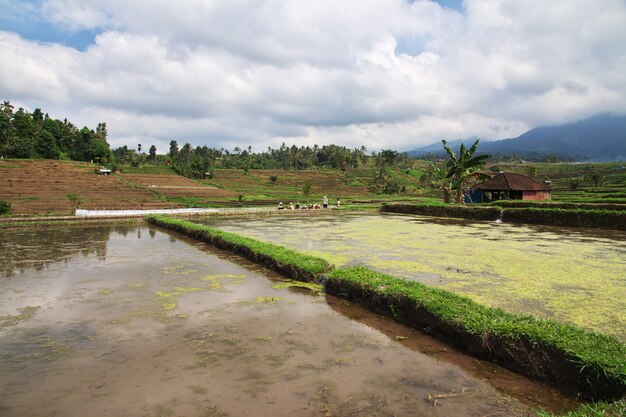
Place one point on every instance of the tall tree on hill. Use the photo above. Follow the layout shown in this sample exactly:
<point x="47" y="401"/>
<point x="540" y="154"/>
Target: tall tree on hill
<point x="101" y="130"/>
<point x="464" y="167"/>
<point x="152" y="153"/>
<point x="173" y="149"/>
<point x="7" y="131"/>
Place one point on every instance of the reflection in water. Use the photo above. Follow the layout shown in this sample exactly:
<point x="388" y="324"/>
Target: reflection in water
<point x="166" y="326"/>
<point x="571" y="275"/>
<point x="38" y="249"/>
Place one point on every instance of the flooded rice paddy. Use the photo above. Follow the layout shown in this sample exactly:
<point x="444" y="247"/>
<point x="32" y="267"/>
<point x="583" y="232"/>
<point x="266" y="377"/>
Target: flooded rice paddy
<point x="131" y="321"/>
<point x="576" y="276"/>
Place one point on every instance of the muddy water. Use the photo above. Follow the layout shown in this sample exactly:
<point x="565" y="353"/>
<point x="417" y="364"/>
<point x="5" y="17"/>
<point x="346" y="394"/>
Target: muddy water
<point x="137" y="322"/>
<point x="575" y="276"/>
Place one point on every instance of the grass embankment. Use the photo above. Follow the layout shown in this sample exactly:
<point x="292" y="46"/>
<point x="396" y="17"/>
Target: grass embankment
<point x="579" y="362"/>
<point x="557" y="205"/>
<point x="576" y="361"/>
<point x="30" y="223"/>
<point x="599" y="409"/>
<point x="441" y="210"/>
<point x="278" y="258"/>
<point x="603" y="219"/>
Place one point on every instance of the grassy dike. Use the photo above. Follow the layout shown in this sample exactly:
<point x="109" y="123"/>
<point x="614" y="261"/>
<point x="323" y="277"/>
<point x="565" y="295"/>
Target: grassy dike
<point x="578" y="362"/>
<point x="602" y="219"/>
<point x="278" y="258"/>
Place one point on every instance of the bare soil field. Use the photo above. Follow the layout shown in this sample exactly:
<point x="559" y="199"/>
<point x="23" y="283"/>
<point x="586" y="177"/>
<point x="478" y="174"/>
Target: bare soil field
<point x="40" y="187"/>
<point x="177" y="186"/>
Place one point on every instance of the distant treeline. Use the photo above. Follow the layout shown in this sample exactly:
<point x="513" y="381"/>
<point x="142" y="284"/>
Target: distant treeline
<point x="193" y="162"/>
<point x="36" y="135"/>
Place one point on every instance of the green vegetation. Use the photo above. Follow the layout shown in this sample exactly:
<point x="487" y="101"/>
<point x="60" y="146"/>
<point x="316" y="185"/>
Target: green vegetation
<point x="574" y="278"/>
<point x="285" y="259"/>
<point x="307" y="189"/>
<point x="443" y="210"/>
<point x="75" y="199"/>
<point x="599" y="360"/>
<point x="599" y="409"/>
<point x="36" y="135"/>
<point x="5" y="207"/>
<point x="26" y="313"/>
<point x="557" y="205"/>
<point x="604" y="219"/>
<point x="464" y="167"/>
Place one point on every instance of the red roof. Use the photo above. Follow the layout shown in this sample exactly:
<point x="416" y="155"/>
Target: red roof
<point x="509" y="181"/>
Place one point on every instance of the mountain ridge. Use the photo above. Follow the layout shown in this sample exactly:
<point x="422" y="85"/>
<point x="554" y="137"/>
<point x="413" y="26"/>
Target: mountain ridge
<point x="599" y="138"/>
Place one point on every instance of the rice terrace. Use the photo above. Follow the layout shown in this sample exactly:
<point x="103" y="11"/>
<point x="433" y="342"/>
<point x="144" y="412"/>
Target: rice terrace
<point x="216" y="323"/>
<point x="389" y="208"/>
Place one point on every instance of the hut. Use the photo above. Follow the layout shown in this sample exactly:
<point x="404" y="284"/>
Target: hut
<point x="508" y="186"/>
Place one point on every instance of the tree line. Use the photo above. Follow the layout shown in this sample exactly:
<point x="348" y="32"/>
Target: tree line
<point x="196" y="161"/>
<point x="37" y="135"/>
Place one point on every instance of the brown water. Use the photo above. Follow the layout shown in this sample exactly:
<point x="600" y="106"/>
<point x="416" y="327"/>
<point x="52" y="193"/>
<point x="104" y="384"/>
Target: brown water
<point x="128" y="321"/>
<point x="576" y="276"/>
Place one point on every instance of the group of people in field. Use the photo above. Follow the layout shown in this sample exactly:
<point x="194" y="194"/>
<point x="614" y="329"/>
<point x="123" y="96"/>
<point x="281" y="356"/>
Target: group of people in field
<point x="297" y="206"/>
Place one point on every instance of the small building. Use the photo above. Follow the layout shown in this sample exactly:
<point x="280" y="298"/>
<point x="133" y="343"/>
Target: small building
<point x="508" y="186"/>
<point x="104" y="171"/>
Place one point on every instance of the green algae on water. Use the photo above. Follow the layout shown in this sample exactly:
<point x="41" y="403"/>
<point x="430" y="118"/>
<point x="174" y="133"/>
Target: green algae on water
<point x="299" y="284"/>
<point x="574" y="277"/>
<point x="25" y="313"/>
<point x="267" y="300"/>
<point x="170" y="299"/>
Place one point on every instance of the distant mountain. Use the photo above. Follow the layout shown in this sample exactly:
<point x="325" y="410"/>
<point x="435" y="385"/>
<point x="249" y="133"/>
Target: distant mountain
<point x="437" y="148"/>
<point x="599" y="138"/>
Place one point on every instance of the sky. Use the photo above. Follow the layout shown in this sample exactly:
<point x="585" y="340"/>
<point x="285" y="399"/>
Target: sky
<point x="383" y="74"/>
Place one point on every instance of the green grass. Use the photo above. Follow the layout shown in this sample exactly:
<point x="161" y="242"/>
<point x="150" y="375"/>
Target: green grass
<point x="311" y="264"/>
<point x="599" y="409"/>
<point x="607" y="354"/>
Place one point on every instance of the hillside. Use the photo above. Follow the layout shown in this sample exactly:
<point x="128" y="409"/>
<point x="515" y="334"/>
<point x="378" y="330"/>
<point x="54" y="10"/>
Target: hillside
<point x="39" y="187"/>
<point x="599" y="138"/>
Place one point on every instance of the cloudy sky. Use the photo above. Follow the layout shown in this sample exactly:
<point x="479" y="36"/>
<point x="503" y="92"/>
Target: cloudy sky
<point x="380" y="73"/>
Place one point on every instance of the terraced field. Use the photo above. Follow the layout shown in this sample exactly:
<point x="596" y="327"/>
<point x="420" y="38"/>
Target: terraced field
<point x="289" y="184"/>
<point x="563" y="176"/>
<point x="40" y="187"/>
<point x="173" y="186"/>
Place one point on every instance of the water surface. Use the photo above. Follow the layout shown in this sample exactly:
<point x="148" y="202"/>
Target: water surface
<point x="130" y="321"/>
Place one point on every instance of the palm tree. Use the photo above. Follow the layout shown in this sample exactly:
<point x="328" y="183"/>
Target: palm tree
<point x="465" y="167"/>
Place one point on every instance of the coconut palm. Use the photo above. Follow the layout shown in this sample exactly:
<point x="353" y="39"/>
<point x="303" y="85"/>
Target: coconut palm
<point x="464" y="168"/>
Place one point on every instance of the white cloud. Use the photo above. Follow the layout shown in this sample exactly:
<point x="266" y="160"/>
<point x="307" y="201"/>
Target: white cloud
<point x="228" y="73"/>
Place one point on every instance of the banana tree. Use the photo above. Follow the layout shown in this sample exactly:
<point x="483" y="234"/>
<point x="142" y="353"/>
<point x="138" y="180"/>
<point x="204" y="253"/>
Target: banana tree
<point x="437" y="175"/>
<point x="464" y="167"/>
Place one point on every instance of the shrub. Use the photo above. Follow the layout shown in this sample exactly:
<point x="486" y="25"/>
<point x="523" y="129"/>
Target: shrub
<point x="5" y="207"/>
